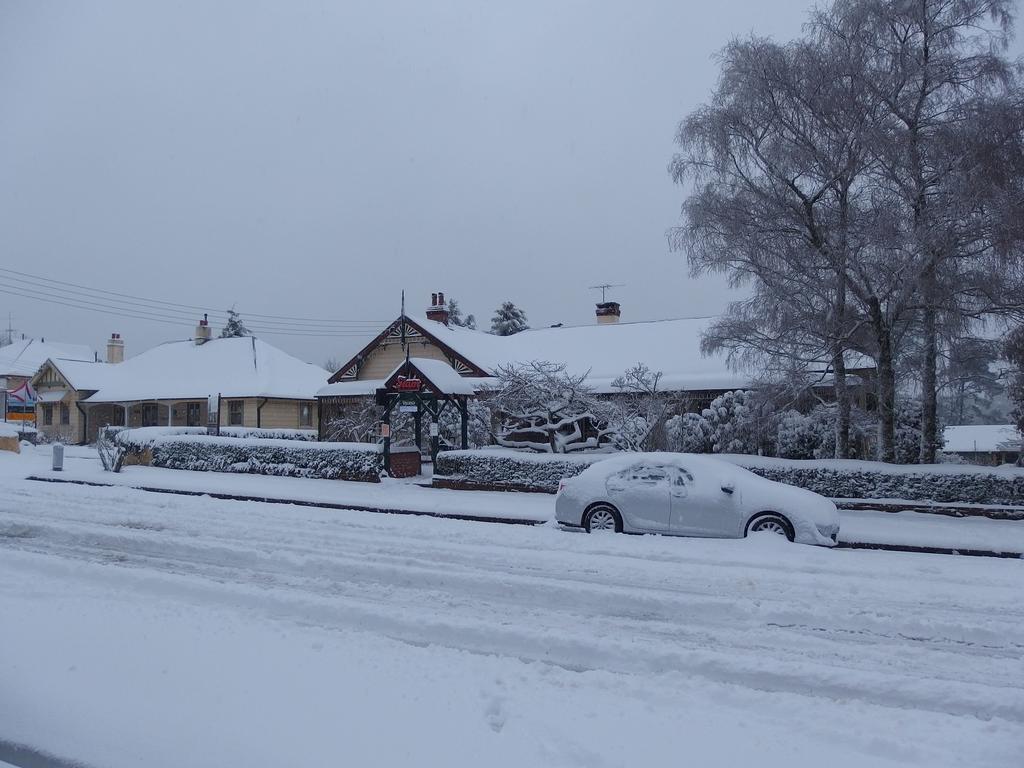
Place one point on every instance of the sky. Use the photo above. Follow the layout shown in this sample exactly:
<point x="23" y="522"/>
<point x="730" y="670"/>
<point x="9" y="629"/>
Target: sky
<point x="311" y="160"/>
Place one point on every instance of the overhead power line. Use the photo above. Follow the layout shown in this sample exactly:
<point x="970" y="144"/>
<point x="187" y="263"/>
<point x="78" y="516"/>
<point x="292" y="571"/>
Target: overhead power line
<point x="51" y="284"/>
<point x="38" y="289"/>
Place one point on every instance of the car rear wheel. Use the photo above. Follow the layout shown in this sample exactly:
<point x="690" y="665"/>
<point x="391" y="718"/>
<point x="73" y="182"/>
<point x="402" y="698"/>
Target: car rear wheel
<point x="602" y="517"/>
<point x="770" y="523"/>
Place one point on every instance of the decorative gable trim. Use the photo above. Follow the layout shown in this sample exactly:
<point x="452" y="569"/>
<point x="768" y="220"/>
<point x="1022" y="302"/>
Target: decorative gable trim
<point x="413" y="330"/>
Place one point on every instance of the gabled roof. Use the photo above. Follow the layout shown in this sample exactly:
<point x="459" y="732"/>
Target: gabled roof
<point x="234" y="367"/>
<point x="606" y="351"/>
<point x="25" y="356"/>
<point x="982" y="438"/>
<point x="437" y="376"/>
<point x="82" y="375"/>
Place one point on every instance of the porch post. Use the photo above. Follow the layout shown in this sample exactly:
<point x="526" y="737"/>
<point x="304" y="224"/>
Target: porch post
<point x="464" y="412"/>
<point x="127" y="415"/>
<point x="170" y="414"/>
<point x="386" y="420"/>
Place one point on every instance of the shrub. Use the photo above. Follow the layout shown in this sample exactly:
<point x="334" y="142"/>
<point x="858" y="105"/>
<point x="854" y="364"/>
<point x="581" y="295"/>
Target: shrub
<point x="851" y="479"/>
<point x="508" y="470"/>
<point x="289" y="458"/>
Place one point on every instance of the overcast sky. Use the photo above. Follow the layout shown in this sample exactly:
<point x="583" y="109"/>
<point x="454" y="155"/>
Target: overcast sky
<point x="312" y="159"/>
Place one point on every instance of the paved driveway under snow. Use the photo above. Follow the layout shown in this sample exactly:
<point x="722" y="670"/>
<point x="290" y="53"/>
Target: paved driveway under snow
<point x="146" y="629"/>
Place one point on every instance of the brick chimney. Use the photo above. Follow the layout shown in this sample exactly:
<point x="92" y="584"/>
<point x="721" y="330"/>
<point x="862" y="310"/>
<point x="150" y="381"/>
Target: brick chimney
<point x="438" y="310"/>
<point x="202" y="331"/>
<point x="608" y="312"/>
<point x="115" y="348"/>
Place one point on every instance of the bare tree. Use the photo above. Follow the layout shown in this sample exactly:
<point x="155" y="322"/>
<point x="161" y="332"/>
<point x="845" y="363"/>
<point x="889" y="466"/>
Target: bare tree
<point x="543" y="407"/>
<point x="777" y="159"/>
<point x="637" y="410"/>
<point x="935" y="68"/>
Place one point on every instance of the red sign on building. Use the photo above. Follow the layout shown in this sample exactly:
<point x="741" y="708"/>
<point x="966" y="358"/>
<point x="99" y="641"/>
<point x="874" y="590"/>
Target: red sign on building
<point x="403" y="384"/>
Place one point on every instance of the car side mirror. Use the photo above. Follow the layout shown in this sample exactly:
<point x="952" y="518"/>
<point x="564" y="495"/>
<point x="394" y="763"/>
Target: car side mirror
<point x="728" y="487"/>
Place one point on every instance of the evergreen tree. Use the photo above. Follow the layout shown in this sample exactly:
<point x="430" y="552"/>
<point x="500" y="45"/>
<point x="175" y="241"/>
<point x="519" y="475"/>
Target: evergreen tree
<point x="234" y="327"/>
<point x="455" y="316"/>
<point x="508" y="320"/>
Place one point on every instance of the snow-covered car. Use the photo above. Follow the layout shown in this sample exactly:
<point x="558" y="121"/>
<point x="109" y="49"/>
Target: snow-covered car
<point x="684" y="494"/>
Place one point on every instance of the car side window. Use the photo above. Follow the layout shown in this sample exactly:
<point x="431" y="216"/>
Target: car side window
<point x="640" y="475"/>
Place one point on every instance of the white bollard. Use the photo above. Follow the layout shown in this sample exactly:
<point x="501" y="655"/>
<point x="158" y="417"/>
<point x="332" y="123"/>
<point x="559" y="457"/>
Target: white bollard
<point x="58" y="457"/>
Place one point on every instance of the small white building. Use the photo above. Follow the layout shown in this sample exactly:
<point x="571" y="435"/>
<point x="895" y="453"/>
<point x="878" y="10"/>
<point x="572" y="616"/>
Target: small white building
<point x="256" y="384"/>
<point x="986" y="444"/>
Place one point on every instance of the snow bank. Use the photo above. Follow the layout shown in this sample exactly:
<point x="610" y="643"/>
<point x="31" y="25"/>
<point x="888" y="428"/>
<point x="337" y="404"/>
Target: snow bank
<point x="7" y="429"/>
<point x="508" y="470"/>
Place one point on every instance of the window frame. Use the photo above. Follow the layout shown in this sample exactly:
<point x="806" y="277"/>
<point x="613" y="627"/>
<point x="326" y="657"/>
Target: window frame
<point x="197" y="409"/>
<point x="240" y="404"/>
<point x="65" y="414"/>
<point x="305" y="414"/>
<point x="47" y="414"/>
<point x="150" y="408"/>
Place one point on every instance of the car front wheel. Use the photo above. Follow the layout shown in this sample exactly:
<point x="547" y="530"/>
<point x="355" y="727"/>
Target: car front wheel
<point x="602" y="517"/>
<point x="770" y="523"/>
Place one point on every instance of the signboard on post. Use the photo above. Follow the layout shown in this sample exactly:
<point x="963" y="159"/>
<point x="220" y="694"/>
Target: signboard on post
<point x="410" y="384"/>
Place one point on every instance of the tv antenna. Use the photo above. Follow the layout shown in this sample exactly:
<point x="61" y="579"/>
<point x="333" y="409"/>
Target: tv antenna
<point x="604" y="288"/>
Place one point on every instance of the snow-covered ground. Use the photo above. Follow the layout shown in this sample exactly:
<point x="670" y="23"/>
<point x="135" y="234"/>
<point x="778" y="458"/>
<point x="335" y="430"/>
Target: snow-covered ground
<point x="159" y="630"/>
<point x="862" y="527"/>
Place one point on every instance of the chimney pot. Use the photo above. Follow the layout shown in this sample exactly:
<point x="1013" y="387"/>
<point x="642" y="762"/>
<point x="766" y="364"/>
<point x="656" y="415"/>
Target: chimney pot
<point x="115" y="348"/>
<point x="608" y="312"/>
<point x="202" y="332"/>
<point x="437" y="311"/>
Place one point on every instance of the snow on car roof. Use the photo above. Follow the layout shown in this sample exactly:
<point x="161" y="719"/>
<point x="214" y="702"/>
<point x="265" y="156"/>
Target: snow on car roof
<point x="982" y="438"/>
<point x="25" y="356"/>
<point x="234" y="367"/>
<point x="606" y="351"/>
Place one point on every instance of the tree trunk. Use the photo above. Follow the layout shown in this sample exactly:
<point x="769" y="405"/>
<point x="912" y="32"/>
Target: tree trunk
<point x="886" y="384"/>
<point x="929" y="376"/>
<point x="842" y="394"/>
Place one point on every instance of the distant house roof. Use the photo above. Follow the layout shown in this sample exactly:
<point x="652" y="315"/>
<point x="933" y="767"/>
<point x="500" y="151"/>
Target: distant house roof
<point x="233" y="367"/>
<point x="606" y="351"/>
<point x="982" y="438"/>
<point x="25" y="356"/>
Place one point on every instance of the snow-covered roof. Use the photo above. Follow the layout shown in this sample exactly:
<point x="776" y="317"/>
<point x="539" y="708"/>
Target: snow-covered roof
<point x="607" y="351"/>
<point x="982" y="438"/>
<point x="350" y="388"/>
<point x="441" y="375"/>
<point x="85" y="375"/>
<point x="25" y="356"/>
<point x="234" y="367"/>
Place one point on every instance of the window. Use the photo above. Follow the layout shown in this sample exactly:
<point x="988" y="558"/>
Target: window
<point x="683" y="477"/>
<point x="149" y="414"/>
<point x="193" y="414"/>
<point x="65" y="414"/>
<point x="236" y="412"/>
<point x="305" y="415"/>
<point x="47" y="414"/>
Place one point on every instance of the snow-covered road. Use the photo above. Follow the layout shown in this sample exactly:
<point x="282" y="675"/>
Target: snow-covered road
<point x="143" y="629"/>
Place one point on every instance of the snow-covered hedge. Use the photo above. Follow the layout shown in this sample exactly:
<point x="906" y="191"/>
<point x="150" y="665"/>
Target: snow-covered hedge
<point x="508" y="470"/>
<point x="851" y="479"/>
<point x="291" y="458"/>
<point x="503" y="469"/>
<point x="140" y="438"/>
